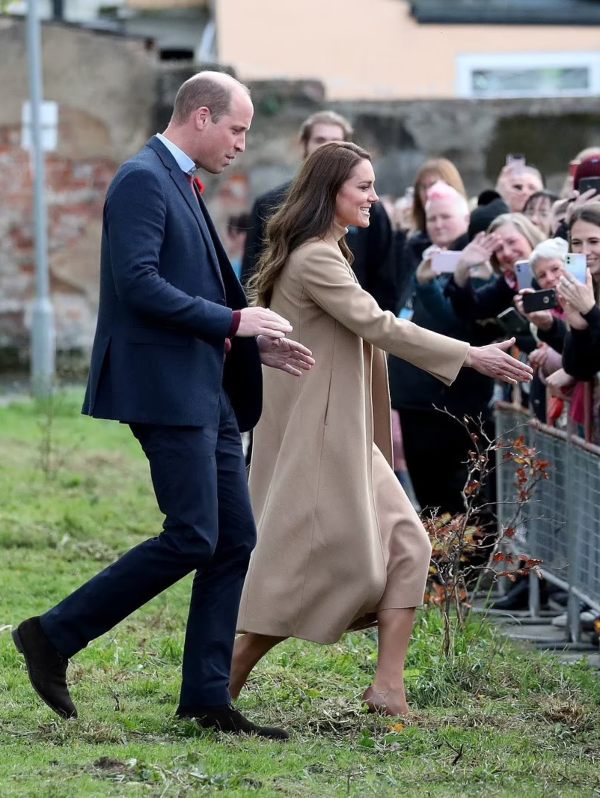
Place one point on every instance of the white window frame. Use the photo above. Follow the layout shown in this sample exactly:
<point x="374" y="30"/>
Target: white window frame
<point x="467" y="64"/>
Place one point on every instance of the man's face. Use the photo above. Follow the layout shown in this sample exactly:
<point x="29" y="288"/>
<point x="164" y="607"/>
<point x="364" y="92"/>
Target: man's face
<point x="218" y="143"/>
<point x="322" y="133"/>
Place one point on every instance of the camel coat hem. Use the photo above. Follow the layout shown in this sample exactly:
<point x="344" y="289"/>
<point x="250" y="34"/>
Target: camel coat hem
<point x="336" y="532"/>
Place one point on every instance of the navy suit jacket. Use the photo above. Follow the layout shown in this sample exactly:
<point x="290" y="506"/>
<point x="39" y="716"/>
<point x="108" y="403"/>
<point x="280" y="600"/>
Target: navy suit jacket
<point x="167" y="292"/>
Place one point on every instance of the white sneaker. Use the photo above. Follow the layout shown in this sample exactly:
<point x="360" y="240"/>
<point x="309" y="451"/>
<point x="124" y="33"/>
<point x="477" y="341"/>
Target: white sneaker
<point x="585" y="617"/>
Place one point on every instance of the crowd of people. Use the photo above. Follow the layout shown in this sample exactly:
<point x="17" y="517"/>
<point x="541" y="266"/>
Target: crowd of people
<point x="517" y="219"/>
<point x="322" y="537"/>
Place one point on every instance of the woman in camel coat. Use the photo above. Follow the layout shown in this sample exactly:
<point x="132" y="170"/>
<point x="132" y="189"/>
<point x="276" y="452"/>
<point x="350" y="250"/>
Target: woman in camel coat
<point x="339" y="544"/>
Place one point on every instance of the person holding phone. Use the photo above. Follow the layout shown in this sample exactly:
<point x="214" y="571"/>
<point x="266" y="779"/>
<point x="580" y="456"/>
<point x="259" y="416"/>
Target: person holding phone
<point x="585" y="188"/>
<point x="436" y="445"/>
<point x="547" y="263"/>
<point x="432" y="171"/>
<point x="509" y="238"/>
<point x="581" y="354"/>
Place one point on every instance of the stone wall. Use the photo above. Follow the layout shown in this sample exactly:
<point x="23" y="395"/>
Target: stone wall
<point x="113" y="94"/>
<point x="105" y="89"/>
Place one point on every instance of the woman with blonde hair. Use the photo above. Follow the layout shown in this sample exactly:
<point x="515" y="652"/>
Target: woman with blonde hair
<point x="432" y="171"/>
<point x="339" y="544"/>
<point x="509" y="238"/>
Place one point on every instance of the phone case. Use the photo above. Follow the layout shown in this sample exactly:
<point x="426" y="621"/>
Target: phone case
<point x="512" y="322"/>
<point x="576" y="264"/>
<point x="586" y="183"/>
<point x="524" y="274"/>
<point x="539" y="300"/>
<point x="445" y="262"/>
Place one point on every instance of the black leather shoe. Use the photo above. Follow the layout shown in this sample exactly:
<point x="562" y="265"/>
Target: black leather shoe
<point x="47" y="668"/>
<point x="226" y="718"/>
<point x="517" y="597"/>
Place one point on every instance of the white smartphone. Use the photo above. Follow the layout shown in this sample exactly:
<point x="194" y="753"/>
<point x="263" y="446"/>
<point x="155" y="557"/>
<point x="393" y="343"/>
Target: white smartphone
<point x="576" y="264"/>
<point x="445" y="262"/>
<point x="524" y="274"/>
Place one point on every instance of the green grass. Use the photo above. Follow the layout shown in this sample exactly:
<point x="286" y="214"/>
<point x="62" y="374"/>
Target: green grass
<point x="74" y="493"/>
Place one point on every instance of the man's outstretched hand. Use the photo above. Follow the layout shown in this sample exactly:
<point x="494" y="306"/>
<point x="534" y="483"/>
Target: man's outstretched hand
<point x="262" y="321"/>
<point x="493" y="361"/>
<point x="285" y="354"/>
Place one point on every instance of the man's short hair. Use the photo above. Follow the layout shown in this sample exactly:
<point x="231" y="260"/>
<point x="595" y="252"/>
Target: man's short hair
<point x="204" y="89"/>
<point x="325" y="118"/>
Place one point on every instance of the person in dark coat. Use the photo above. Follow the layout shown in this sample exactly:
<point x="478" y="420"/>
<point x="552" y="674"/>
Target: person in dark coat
<point x="581" y="352"/>
<point x="435" y="444"/>
<point x="417" y="240"/>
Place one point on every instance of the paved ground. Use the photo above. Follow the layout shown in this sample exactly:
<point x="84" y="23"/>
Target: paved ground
<point x="542" y="634"/>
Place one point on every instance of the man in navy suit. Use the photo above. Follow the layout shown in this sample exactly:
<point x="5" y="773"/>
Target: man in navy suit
<point x="177" y="356"/>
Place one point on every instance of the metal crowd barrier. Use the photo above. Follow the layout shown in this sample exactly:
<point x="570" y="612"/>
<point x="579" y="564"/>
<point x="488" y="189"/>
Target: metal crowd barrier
<point x="561" y="524"/>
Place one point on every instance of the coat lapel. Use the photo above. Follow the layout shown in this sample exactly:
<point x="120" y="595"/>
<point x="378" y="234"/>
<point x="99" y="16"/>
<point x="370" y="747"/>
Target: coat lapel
<point x="182" y="184"/>
<point x="198" y="208"/>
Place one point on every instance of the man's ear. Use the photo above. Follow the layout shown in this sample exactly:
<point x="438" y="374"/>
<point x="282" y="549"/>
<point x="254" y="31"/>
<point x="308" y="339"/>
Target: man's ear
<point x="201" y="117"/>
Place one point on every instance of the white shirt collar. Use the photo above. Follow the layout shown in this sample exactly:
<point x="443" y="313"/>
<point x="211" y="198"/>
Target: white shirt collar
<point x="184" y="161"/>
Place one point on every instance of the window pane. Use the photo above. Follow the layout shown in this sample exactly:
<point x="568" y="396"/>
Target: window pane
<point x="530" y="82"/>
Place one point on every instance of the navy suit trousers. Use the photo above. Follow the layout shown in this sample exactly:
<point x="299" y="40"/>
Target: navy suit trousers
<point x="200" y="484"/>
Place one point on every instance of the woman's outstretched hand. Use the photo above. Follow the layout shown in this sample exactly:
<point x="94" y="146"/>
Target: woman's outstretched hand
<point x="494" y="361"/>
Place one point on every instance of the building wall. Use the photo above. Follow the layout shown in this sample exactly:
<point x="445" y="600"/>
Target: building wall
<point x="369" y="50"/>
<point x="105" y="87"/>
<point x="113" y="95"/>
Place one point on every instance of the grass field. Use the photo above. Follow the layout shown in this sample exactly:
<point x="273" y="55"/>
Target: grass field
<point x="74" y="493"/>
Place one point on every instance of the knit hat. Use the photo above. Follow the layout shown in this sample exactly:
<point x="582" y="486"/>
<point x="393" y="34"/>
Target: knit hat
<point x="588" y="168"/>
<point x="440" y="190"/>
<point x="483" y="215"/>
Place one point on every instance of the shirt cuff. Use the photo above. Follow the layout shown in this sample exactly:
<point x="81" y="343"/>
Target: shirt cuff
<point x="235" y="323"/>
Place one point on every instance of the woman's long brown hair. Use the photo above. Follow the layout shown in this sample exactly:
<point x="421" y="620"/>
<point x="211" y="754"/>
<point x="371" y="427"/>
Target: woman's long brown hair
<point x="308" y="212"/>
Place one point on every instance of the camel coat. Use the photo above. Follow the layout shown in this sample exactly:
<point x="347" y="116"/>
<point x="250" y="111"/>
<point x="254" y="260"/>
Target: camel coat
<point x="337" y="537"/>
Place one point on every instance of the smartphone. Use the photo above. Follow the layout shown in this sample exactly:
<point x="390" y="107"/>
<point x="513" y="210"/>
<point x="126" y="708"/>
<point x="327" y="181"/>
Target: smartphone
<point x="512" y="322"/>
<point x="524" y="274"/>
<point x="576" y="264"/>
<point x="445" y="262"/>
<point x="540" y="300"/>
<point x="515" y="159"/>
<point x="586" y="183"/>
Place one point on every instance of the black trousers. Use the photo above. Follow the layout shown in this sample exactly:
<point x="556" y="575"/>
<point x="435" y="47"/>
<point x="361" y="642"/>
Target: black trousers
<point x="199" y="479"/>
<point x="436" y="448"/>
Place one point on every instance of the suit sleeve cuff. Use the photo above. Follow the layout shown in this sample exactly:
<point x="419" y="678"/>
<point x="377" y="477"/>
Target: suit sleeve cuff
<point x="235" y="323"/>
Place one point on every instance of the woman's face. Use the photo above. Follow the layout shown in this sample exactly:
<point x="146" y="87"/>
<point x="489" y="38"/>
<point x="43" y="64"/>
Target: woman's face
<point x="424" y="183"/>
<point x="585" y="237"/>
<point x="539" y="213"/>
<point x="355" y="197"/>
<point x="513" y="246"/>
<point x="445" y="222"/>
<point x="548" y="272"/>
